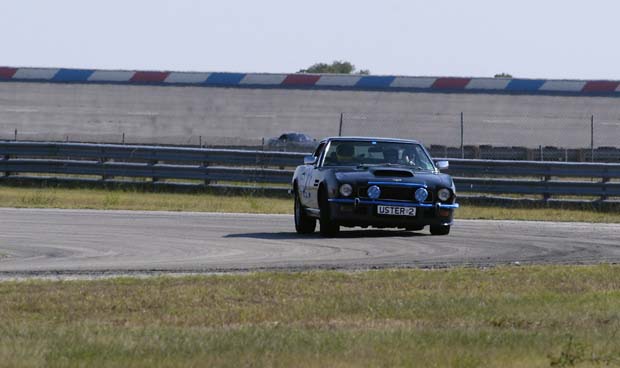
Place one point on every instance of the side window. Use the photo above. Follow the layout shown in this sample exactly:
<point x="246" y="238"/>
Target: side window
<point x="319" y="150"/>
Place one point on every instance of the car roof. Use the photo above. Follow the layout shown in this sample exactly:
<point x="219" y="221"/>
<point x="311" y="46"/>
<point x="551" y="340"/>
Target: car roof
<point x="370" y="139"/>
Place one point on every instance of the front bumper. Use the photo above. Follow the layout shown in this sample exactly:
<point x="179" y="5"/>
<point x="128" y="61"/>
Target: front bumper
<point x="363" y="212"/>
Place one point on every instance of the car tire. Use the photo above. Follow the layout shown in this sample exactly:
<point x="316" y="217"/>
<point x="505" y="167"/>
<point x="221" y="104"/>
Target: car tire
<point x="304" y="224"/>
<point x="440" y="229"/>
<point x="328" y="228"/>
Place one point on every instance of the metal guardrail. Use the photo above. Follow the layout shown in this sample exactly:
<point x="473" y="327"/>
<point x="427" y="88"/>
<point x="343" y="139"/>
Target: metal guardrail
<point x="536" y="178"/>
<point x="111" y="163"/>
<point x="521" y="153"/>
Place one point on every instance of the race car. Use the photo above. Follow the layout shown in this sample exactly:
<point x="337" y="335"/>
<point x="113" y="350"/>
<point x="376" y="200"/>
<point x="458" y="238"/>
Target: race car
<point x="372" y="182"/>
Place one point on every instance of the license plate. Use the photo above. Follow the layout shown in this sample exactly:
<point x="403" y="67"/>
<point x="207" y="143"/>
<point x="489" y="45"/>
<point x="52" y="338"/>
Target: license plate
<point x="396" y="210"/>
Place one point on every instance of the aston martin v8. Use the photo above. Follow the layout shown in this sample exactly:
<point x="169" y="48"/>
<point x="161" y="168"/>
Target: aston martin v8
<point x="372" y="182"/>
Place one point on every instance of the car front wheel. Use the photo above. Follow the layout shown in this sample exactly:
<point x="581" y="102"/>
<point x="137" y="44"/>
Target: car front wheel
<point x="304" y="224"/>
<point x="328" y="227"/>
<point x="440" y="229"/>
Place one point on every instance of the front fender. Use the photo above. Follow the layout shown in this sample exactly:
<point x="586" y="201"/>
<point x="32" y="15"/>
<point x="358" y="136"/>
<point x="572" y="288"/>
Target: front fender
<point x="330" y="183"/>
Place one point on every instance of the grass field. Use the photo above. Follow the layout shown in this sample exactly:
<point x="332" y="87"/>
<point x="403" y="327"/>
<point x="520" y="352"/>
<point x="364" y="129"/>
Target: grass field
<point x="500" y="317"/>
<point x="137" y="200"/>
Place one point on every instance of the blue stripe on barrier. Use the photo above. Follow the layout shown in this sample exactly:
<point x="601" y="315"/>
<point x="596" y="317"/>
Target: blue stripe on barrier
<point x="225" y="79"/>
<point x="72" y="75"/>
<point x="525" y="85"/>
<point x="374" y="82"/>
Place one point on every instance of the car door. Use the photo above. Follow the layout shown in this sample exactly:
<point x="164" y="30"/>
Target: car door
<point x="309" y="177"/>
<point x="314" y="179"/>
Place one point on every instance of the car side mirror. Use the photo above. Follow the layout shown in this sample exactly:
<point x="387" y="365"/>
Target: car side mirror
<point x="309" y="160"/>
<point x="442" y="165"/>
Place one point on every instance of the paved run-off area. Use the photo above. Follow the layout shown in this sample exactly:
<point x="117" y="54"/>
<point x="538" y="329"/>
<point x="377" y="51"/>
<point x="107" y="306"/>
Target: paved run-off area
<point x="89" y="242"/>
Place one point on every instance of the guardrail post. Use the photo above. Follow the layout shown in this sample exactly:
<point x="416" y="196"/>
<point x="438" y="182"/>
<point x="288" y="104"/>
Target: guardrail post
<point x="153" y="163"/>
<point x="546" y="178"/>
<point x="603" y="181"/>
<point x="102" y="161"/>
<point x="6" y="158"/>
<point x="205" y="164"/>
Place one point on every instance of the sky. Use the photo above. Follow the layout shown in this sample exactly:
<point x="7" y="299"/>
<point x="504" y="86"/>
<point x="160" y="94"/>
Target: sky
<point x="476" y="38"/>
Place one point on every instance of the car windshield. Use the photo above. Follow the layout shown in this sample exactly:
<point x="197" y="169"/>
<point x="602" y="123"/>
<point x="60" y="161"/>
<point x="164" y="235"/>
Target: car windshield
<point x="372" y="153"/>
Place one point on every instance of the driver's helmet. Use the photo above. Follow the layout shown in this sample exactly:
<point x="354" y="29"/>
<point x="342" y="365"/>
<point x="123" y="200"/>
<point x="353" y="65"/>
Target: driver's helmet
<point x="391" y="155"/>
<point x="344" y="152"/>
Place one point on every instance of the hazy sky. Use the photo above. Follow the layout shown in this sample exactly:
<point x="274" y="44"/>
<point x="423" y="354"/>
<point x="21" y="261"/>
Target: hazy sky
<point x="526" y="38"/>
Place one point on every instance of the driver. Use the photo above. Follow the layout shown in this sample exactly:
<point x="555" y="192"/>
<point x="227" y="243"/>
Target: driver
<point x="409" y="157"/>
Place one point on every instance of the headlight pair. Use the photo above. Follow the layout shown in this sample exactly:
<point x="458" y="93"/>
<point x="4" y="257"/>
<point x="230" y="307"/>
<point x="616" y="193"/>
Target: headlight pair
<point x="374" y="192"/>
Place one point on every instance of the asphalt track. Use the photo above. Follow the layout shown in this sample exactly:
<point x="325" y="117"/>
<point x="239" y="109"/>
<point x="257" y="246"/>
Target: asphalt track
<point x="40" y="242"/>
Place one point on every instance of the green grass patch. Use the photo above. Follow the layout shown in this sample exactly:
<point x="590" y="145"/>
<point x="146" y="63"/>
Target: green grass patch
<point x="124" y="199"/>
<point x="119" y="199"/>
<point x="508" y="316"/>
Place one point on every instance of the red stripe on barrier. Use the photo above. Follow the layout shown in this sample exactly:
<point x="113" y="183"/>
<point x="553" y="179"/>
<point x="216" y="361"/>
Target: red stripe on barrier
<point x="7" y="73"/>
<point x="149" y="77"/>
<point x="600" y="86"/>
<point x="301" y="79"/>
<point x="450" y="83"/>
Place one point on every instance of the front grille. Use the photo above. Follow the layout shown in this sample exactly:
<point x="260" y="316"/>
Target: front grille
<point x="394" y="193"/>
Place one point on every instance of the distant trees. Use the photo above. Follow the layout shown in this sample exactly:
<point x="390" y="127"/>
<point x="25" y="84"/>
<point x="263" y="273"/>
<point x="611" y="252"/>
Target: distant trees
<point x="503" y="75"/>
<point x="338" y="67"/>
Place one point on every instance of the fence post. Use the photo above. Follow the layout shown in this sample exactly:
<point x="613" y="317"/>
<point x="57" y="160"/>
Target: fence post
<point x="462" y="146"/>
<point x="340" y="127"/>
<point x="15" y="134"/>
<point x="592" y="138"/>
<point x="540" y="148"/>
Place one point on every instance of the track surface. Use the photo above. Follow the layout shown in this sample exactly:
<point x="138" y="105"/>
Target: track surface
<point x="84" y="242"/>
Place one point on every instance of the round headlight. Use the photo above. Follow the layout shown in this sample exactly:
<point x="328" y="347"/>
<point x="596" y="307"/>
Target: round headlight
<point x="373" y="192"/>
<point x="444" y="194"/>
<point x="421" y="194"/>
<point x="346" y="190"/>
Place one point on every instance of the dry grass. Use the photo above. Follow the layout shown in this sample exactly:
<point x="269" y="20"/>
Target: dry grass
<point x="536" y="214"/>
<point x="509" y="317"/>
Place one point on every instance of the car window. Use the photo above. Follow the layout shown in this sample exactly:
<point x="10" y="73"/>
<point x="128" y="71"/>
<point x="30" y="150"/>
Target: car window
<point x="319" y="150"/>
<point x="354" y="153"/>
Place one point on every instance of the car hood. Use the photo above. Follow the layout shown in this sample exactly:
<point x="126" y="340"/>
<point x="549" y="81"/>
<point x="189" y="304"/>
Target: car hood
<point x="391" y="174"/>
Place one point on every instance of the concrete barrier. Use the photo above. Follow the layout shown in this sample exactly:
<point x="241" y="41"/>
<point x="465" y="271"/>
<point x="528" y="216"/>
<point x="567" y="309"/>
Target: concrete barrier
<point x="147" y="109"/>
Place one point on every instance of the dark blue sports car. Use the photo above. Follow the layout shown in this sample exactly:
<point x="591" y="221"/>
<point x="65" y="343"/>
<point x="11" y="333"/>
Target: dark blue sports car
<point x="377" y="182"/>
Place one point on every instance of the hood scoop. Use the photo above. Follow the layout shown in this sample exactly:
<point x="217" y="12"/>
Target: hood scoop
<point x="392" y="173"/>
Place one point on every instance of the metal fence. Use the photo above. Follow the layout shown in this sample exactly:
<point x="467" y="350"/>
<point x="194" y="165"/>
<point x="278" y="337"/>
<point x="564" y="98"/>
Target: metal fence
<point x="204" y="167"/>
